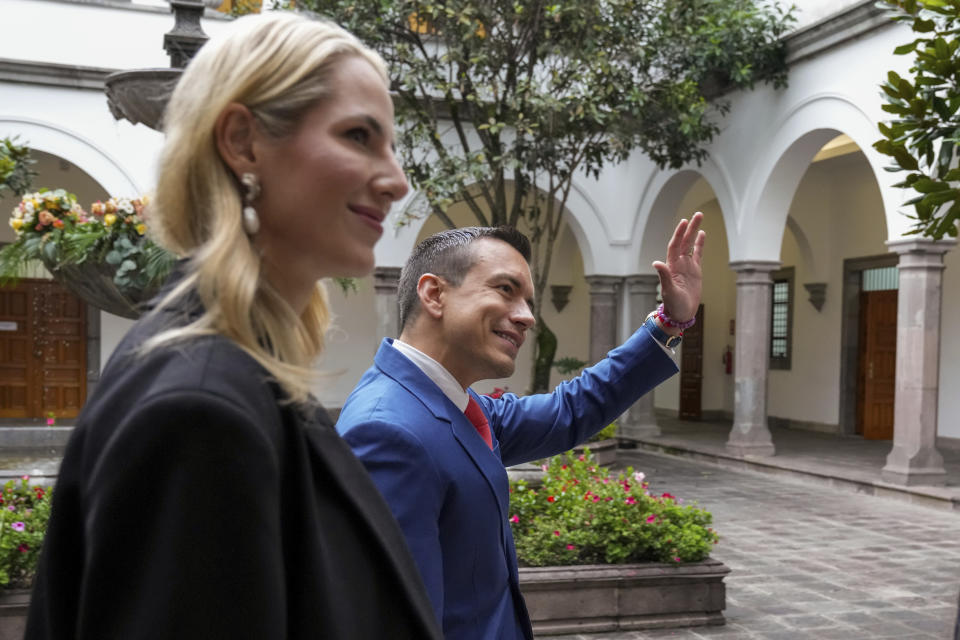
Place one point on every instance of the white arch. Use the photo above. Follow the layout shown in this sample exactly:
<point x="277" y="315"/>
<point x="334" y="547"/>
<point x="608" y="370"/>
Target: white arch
<point x="797" y="138"/>
<point x="398" y="242"/>
<point x="57" y="140"/>
<point x="653" y="222"/>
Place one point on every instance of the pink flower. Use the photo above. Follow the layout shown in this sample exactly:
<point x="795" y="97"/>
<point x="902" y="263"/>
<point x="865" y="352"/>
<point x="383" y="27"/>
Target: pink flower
<point x="667" y="495"/>
<point x="23" y="548"/>
<point x="515" y="519"/>
<point x="570" y="547"/>
<point x="17" y="526"/>
<point x="677" y="559"/>
<point x="638" y="477"/>
<point x="651" y="519"/>
<point x="51" y="422"/>
<point x="543" y="467"/>
<point x="631" y="500"/>
<point x="556" y="533"/>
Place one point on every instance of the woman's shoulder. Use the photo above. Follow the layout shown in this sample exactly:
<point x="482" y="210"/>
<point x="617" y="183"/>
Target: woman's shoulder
<point x="210" y="366"/>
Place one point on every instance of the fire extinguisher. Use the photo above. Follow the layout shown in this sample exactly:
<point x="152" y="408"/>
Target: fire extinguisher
<point x="728" y="360"/>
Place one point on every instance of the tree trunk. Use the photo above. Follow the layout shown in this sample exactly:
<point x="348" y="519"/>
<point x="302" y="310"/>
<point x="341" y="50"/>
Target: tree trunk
<point x="544" y="352"/>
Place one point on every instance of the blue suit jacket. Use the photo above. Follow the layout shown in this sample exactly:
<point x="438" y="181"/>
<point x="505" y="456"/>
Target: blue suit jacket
<point x="450" y="492"/>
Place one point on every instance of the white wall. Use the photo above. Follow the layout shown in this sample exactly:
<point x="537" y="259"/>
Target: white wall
<point x="949" y="400"/>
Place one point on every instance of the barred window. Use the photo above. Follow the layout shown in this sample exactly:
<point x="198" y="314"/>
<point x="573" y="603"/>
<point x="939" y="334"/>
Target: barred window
<point x="781" y="319"/>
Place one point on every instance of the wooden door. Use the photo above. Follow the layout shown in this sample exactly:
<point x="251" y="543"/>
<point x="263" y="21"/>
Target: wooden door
<point x="691" y="369"/>
<point x="877" y="364"/>
<point x="42" y="351"/>
<point x="16" y="352"/>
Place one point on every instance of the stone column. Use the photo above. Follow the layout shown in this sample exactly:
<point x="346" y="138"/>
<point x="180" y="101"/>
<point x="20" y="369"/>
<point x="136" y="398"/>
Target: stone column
<point x="603" y="315"/>
<point x="639" y="421"/>
<point x="750" y="435"/>
<point x="385" y="303"/>
<point x="914" y="458"/>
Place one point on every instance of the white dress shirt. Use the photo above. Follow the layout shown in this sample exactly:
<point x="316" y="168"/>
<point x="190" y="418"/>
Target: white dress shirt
<point x="436" y="372"/>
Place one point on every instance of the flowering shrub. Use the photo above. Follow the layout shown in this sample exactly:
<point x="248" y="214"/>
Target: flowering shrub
<point x="24" y="511"/>
<point x="583" y="515"/>
<point x="52" y="227"/>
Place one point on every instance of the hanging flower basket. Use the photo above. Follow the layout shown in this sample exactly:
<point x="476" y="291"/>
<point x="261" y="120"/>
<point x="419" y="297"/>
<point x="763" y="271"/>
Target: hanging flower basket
<point x="104" y="257"/>
<point x="94" y="284"/>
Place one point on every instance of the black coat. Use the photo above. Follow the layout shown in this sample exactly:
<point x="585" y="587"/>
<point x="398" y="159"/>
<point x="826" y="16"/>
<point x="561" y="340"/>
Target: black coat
<point x="192" y="503"/>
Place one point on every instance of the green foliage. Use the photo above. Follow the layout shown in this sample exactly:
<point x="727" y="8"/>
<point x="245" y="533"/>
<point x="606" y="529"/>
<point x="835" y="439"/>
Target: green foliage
<point x="500" y="103"/>
<point x="921" y="137"/>
<point x="568" y="365"/>
<point x="24" y="512"/>
<point x="583" y="515"/>
<point x="606" y="433"/>
<point x="15" y="172"/>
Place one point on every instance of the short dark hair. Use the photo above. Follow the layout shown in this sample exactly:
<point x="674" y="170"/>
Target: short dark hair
<point x="448" y="255"/>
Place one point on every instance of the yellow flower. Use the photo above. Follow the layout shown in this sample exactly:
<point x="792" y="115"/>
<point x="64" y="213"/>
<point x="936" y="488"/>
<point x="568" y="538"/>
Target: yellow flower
<point x="109" y="219"/>
<point x="141" y="228"/>
<point x="16" y="223"/>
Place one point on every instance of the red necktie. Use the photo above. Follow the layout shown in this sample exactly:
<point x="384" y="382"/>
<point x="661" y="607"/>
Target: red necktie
<point x="475" y="415"/>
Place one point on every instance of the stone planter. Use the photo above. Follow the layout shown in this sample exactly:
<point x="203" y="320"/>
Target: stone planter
<point x="600" y="598"/>
<point x="604" y="451"/>
<point x="93" y="283"/>
<point x="13" y="613"/>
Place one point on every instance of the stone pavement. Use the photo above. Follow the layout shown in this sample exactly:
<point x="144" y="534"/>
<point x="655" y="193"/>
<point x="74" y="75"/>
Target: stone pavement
<point x="812" y="561"/>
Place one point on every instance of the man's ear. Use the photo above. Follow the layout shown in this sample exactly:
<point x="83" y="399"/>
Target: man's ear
<point x="430" y="290"/>
<point x="234" y="133"/>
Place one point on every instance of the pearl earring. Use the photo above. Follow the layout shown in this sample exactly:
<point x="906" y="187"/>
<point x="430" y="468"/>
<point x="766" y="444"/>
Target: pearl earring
<point x="251" y="221"/>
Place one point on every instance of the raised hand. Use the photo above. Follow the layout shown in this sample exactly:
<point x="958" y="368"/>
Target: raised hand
<point x="681" y="276"/>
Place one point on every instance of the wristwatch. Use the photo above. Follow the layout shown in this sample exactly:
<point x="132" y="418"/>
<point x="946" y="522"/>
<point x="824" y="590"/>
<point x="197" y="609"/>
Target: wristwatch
<point x="661" y="336"/>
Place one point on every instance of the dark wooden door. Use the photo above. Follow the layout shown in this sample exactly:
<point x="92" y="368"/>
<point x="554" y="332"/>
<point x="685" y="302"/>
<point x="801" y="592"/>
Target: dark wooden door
<point x="16" y="352"/>
<point x="42" y="351"/>
<point x="691" y="370"/>
<point x="877" y="364"/>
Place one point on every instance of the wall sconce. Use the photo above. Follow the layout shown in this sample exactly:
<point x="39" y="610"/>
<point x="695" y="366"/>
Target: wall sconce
<point x="560" y="295"/>
<point x="818" y="293"/>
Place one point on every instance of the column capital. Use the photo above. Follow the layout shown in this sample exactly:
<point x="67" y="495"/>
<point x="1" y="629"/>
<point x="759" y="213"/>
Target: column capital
<point x="642" y="283"/>
<point x="385" y="279"/>
<point x="761" y="266"/>
<point x="602" y="284"/>
<point x="921" y="245"/>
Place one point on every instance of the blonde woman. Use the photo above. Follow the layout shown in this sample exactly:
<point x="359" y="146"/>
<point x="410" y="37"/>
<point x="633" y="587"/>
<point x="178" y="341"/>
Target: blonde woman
<point x="204" y="494"/>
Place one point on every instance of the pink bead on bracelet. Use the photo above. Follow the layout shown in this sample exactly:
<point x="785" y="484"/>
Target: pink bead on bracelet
<point x="670" y="322"/>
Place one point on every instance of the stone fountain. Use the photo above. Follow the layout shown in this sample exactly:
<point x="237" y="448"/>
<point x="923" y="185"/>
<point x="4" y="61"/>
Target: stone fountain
<point x="140" y="95"/>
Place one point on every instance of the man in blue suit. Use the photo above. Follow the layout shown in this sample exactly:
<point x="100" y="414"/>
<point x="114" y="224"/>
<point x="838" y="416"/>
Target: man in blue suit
<point x="465" y="307"/>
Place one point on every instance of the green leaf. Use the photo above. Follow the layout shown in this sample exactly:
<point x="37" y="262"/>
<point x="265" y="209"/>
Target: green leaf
<point x="926" y="185"/>
<point x="905" y="48"/>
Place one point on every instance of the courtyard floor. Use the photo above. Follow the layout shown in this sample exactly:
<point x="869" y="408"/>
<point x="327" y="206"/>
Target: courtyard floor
<point x="814" y="561"/>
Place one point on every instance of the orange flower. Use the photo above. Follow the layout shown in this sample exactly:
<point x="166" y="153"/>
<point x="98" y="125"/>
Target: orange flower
<point x="45" y="217"/>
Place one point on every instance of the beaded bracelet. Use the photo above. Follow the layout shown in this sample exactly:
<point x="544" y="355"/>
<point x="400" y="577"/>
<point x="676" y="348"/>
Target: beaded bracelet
<point x="670" y="322"/>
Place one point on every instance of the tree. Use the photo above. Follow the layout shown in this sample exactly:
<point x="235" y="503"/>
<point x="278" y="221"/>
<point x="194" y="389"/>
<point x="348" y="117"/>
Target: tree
<point x="501" y="104"/>
<point x="922" y="138"/>
<point x="15" y="172"/>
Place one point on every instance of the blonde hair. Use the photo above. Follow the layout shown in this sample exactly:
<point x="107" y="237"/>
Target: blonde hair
<point x="277" y="65"/>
